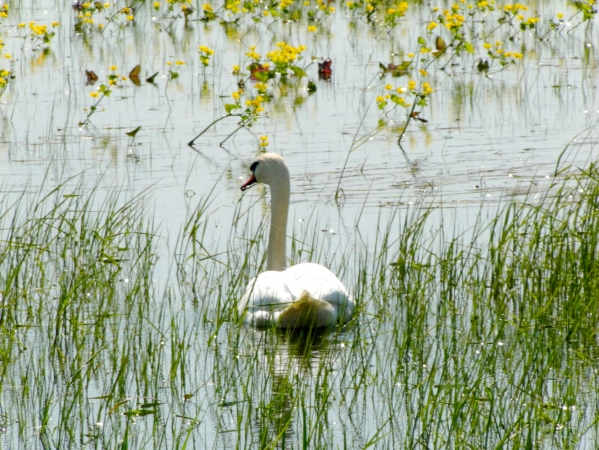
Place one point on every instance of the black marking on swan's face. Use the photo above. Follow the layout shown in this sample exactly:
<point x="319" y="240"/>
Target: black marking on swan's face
<point x="252" y="179"/>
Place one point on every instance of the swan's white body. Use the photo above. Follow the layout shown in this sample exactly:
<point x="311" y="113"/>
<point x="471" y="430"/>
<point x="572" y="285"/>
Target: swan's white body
<point x="305" y="295"/>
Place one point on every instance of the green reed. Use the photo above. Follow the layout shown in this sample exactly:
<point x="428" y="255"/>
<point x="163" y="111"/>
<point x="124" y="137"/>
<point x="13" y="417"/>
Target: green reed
<point x="484" y="337"/>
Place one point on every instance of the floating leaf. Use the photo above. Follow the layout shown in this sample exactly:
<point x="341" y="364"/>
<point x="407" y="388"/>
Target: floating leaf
<point x="261" y="76"/>
<point x="133" y="132"/>
<point x="151" y="79"/>
<point x="91" y="77"/>
<point x="482" y="65"/>
<point x="299" y="72"/>
<point x="134" y="75"/>
<point x="440" y="44"/>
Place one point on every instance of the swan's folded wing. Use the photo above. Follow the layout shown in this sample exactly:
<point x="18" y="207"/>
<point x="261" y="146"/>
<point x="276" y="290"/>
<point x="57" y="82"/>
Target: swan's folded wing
<point x="264" y="295"/>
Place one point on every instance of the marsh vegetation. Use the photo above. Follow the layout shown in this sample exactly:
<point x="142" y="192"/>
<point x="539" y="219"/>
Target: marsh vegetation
<point x="445" y="169"/>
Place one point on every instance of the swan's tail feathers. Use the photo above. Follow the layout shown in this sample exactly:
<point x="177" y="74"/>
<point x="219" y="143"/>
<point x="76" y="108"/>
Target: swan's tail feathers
<point x="307" y="312"/>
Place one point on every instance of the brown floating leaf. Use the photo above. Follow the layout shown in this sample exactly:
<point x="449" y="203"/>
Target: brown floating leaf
<point x="91" y="77"/>
<point x="134" y="75"/>
<point x="415" y="115"/>
<point x="440" y="44"/>
<point x="395" y="69"/>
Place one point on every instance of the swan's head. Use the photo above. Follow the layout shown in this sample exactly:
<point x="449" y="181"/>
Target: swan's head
<point x="268" y="168"/>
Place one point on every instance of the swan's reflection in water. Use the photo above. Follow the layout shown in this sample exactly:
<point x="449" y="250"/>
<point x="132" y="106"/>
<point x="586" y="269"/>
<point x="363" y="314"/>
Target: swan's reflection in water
<point x="289" y="366"/>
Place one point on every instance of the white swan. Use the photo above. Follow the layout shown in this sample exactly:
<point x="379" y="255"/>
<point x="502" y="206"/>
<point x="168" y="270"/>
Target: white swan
<point x="305" y="295"/>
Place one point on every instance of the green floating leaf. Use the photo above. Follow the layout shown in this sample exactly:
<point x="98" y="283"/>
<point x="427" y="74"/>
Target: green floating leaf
<point x="262" y="76"/>
<point x="133" y="132"/>
<point x="299" y="72"/>
<point x="229" y="107"/>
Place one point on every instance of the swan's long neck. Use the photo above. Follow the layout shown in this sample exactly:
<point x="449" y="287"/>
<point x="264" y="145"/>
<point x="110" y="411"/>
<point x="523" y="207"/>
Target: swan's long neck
<point x="279" y="192"/>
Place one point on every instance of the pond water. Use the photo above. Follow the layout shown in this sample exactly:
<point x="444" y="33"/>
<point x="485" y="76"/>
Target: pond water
<point x="487" y="136"/>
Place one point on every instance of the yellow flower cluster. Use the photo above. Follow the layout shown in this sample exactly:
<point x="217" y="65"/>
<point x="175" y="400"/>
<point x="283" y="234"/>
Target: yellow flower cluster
<point x="285" y="54"/>
<point x="4" y="74"/>
<point x="4" y="15"/>
<point x="515" y="8"/>
<point x="256" y="104"/>
<point x="283" y="4"/>
<point x="261" y="88"/>
<point x="263" y="141"/>
<point x="205" y="53"/>
<point x="235" y="7"/>
<point x="401" y="9"/>
<point x="323" y="7"/>
<point x="252" y="53"/>
<point x="206" y="50"/>
<point x="515" y="55"/>
<point x="453" y="21"/>
<point x="38" y="29"/>
<point x="531" y="21"/>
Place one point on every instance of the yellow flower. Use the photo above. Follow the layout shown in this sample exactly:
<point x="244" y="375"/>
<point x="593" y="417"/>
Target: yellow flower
<point x="156" y="5"/>
<point x="380" y="99"/>
<point x="432" y="26"/>
<point x="21" y="25"/>
<point x="206" y="50"/>
<point x="263" y="141"/>
<point x="388" y="87"/>
<point x="401" y="90"/>
<point x="236" y="95"/>
<point x="426" y="88"/>
<point x="130" y="17"/>
<point x="410" y="55"/>
<point x="312" y="28"/>
<point x="411" y="85"/>
<point x="560" y="16"/>
<point x="168" y="63"/>
<point x="236" y="69"/>
<point x="55" y="24"/>
<point x="8" y="56"/>
<point x="113" y="68"/>
<point x="179" y="62"/>
<point x="423" y="72"/>
<point x="93" y="94"/>
<point x="265" y="13"/>
<point x="487" y="45"/>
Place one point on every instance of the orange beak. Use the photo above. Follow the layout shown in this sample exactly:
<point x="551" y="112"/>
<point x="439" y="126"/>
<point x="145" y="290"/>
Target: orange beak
<point x="249" y="183"/>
